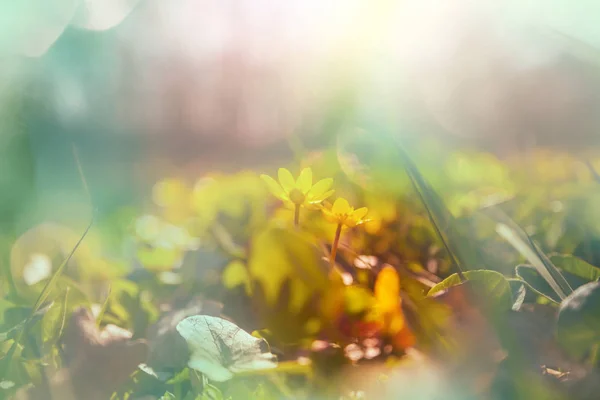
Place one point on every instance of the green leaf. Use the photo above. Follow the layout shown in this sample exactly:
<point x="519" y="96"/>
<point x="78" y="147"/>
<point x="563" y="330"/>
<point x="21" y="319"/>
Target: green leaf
<point x="11" y="333"/>
<point x="168" y="396"/>
<point x="236" y="274"/>
<point x="41" y="300"/>
<point x="518" y="238"/>
<point x="53" y="322"/>
<point x="211" y="392"/>
<point x="104" y="307"/>
<point x="180" y="377"/>
<point x="576" y="266"/>
<point x="4" y="305"/>
<point x="578" y="324"/>
<point x="50" y="284"/>
<point x="535" y="282"/>
<point x="375" y="159"/>
<point x="278" y="255"/>
<point x="491" y="285"/>
<point x="460" y="244"/>
<point x="16" y="330"/>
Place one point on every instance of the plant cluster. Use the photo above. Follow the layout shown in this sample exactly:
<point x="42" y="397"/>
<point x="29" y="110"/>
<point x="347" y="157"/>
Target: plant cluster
<point x="241" y="286"/>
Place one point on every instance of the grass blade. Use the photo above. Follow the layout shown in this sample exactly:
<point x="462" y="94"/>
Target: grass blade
<point x="516" y="236"/>
<point x="50" y="284"/>
<point x="104" y="307"/>
<point x="462" y="248"/>
<point x="7" y="360"/>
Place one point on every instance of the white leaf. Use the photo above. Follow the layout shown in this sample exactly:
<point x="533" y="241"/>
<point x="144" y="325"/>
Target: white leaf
<point x="219" y="348"/>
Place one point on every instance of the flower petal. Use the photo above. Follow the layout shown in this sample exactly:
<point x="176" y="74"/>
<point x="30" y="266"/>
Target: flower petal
<point x="320" y="187"/>
<point x="341" y="206"/>
<point x="274" y="187"/>
<point x="321" y="198"/>
<point x="286" y="179"/>
<point x="360" y="213"/>
<point x="387" y="290"/>
<point x="329" y="216"/>
<point x="304" y="181"/>
<point x="350" y="223"/>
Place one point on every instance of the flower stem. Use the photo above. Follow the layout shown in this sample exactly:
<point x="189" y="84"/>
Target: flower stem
<point x="297" y="215"/>
<point x="334" y="246"/>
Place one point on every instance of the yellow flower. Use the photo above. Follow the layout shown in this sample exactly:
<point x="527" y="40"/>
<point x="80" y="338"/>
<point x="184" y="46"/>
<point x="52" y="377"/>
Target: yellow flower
<point x="387" y="290"/>
<point x="343" y="214"/>
<point x="387" y="310"/>
<point x="300" y="192"/>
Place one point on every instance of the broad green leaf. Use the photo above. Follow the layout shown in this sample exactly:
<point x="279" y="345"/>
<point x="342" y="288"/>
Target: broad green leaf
<point x="180" y="377"/>
<point x="578" y="324"/>
<point x="576" y="266"/>
<point x="278" y="255"/>
<point x="219" y="349"/>
<point x="128" y="307"/>
<point x="168" y="396"/>
<point x="236" y="274"/>
<point x="535" y="282"/>
<point x="491" y="285"/>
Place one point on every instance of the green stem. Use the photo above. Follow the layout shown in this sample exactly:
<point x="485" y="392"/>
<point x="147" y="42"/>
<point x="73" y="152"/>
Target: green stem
<point x="334" y="246"/>
<point x="297" y="215"/>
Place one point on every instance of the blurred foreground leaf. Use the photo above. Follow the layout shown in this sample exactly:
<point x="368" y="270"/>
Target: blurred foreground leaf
<point x="578" y="324"/>
<point x="491" y="286"/>
<point x="279" y="254"/>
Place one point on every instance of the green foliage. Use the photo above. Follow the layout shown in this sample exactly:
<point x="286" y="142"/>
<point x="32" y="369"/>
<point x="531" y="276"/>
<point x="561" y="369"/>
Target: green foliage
<point x="287" y="274"/>
<point x="491" y="286"/>
<point x="575" y="271"/>
<point x="53" y="322"/>
<point x="522" y="242"/>
<point x="227" y="250"/>
<point x="462" y="248"/>
<point x="534" y="281"/>
<point x="576" y="266"/>
<point x="578" y="324"/>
